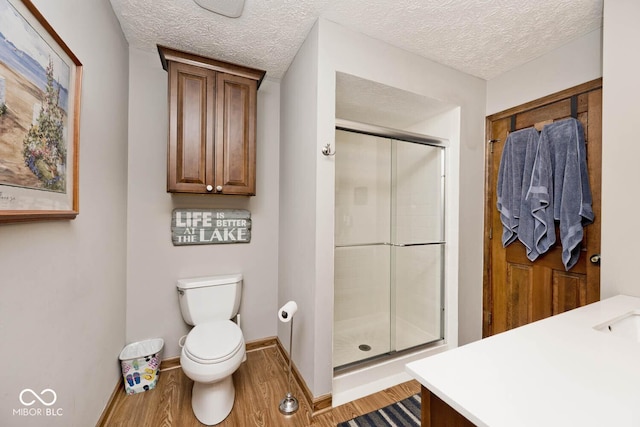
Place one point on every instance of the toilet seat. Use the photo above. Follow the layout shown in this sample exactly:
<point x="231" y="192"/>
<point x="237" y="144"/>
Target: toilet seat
<point x="213" y="342"/>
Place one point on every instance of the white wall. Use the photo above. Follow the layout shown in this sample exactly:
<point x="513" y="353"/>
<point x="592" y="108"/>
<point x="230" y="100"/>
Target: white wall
<point x="62" y="292"/>
<point x="154" y="264"/>
<point x="336" y="49"/>
<point x="296" y="262"/>
<point x="576" y="62"/>
<point x="620" y="148"/>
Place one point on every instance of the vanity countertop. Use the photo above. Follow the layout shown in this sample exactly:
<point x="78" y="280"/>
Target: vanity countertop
<point x="557" y="372"/>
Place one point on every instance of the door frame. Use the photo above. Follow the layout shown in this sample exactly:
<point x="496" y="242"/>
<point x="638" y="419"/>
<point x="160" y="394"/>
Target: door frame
<point x="489" y="209"/>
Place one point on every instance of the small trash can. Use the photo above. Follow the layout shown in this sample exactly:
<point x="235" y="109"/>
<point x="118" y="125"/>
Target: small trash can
<point x="140" y="363"/>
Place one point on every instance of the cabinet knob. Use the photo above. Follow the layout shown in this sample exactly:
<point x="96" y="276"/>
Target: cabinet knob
<point x="219" y="188"/>
<point x="209" y="187"/>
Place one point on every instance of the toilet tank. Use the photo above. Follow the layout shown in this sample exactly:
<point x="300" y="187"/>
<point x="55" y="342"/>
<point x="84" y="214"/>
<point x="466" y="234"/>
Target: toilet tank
<point x="203" y="299"/>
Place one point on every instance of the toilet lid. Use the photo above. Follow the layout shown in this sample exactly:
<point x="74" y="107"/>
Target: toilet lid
<point x="213" y="342"/>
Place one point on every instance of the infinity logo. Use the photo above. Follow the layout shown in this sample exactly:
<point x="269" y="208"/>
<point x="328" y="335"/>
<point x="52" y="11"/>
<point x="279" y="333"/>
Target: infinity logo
<point x="42" y="393"/>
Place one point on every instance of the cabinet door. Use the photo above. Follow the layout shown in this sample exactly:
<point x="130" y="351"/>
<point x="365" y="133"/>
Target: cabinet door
<point x="235" y="134"/>
<point x="191" y="100"/>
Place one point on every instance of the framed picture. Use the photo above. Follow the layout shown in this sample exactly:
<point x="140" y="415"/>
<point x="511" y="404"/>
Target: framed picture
<point x="40" y="81"/>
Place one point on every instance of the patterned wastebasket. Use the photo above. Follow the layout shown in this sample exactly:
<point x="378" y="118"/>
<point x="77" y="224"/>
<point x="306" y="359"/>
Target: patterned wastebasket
<point x="140" y="362"/>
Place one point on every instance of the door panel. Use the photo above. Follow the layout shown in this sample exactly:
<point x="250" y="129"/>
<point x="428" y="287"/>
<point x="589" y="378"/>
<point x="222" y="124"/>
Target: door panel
<point x="517" y="291"/>
<point x="569" y="291"/>
<point x="519" y="295"/>
<point x="236" y="134"/>
<point x="191" y="94"/>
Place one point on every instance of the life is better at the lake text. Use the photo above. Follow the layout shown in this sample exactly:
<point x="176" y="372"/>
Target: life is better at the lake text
<point x="210" y="226"/>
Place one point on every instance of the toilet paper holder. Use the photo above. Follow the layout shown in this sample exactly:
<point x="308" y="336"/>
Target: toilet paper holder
<point x="289" y="404"/>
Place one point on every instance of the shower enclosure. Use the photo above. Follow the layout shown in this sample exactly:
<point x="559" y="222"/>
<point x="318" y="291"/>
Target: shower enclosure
<point x="389" y="244"/>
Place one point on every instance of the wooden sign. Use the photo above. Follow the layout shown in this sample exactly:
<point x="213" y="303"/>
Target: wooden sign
<point x="210" y="226"/>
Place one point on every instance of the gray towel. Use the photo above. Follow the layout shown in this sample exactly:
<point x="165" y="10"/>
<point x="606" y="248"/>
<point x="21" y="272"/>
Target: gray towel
<point x="528" y="227"/>
<point x="572" y="192"/>
<point x="560" y="189"/>
<point x="539" y="200"/>
<point x="513" y="168"/>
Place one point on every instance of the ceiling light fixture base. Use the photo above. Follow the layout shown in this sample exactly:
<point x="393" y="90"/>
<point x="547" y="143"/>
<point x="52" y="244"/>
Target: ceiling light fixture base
<point x="229" y="8"/>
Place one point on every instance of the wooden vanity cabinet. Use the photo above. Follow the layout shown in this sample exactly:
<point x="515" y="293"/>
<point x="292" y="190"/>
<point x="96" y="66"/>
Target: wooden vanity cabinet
<point x="212" y="125"/>
<point x="436" y="413"/>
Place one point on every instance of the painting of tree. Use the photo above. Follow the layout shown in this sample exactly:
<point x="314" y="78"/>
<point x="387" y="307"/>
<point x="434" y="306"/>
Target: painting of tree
<point x="44" y="147"/>
<point x="40" y="80"/>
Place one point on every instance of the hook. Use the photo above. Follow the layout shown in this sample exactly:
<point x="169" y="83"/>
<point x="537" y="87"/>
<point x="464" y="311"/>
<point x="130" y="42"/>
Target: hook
<point x="327" y="150"/>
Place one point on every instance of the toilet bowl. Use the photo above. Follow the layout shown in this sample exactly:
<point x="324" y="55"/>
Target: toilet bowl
<point x="212" y="352"/>
<point x="214" y="349"/>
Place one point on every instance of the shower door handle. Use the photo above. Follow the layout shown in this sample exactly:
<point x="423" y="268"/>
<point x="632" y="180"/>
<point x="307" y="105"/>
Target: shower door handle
<point x="396" y="245"/>
<point x="405" y="245"/>
<point x="355" y="245"/>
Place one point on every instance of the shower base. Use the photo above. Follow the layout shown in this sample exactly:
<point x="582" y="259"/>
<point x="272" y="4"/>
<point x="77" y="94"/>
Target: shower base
<point x="359" y="339"/>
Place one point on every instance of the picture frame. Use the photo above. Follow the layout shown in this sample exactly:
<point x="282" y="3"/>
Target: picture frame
<point x="40" y="84"/>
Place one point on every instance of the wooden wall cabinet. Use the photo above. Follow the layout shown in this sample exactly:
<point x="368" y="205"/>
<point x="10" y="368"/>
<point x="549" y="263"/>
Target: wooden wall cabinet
<point x="212" y="124"/>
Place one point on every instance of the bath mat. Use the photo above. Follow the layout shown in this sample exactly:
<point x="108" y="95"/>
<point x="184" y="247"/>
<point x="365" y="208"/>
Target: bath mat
<point x="405" y="413"/>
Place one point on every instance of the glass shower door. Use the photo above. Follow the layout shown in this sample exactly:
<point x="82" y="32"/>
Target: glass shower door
<point x="362" y="308"/>
<point x="417" y="237"/>
<point x="388" y="246"/>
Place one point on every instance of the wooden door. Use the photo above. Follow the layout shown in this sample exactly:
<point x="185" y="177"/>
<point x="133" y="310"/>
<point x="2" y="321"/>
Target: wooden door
<point x="517" y="291"/>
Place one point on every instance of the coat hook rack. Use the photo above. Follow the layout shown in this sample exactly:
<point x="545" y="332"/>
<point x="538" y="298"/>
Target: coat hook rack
<point x="326" y="150"/>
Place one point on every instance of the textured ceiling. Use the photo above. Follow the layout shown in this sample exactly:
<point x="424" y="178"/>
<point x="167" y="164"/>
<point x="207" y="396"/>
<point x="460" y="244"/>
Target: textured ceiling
<point x="483" y="38"/>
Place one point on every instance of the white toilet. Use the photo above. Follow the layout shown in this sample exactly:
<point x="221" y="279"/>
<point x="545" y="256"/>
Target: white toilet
<point x="214" y="348"/>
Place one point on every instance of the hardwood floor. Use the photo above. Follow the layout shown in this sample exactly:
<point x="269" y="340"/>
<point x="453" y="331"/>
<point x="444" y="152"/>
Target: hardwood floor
<point x="261" y="382"/>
